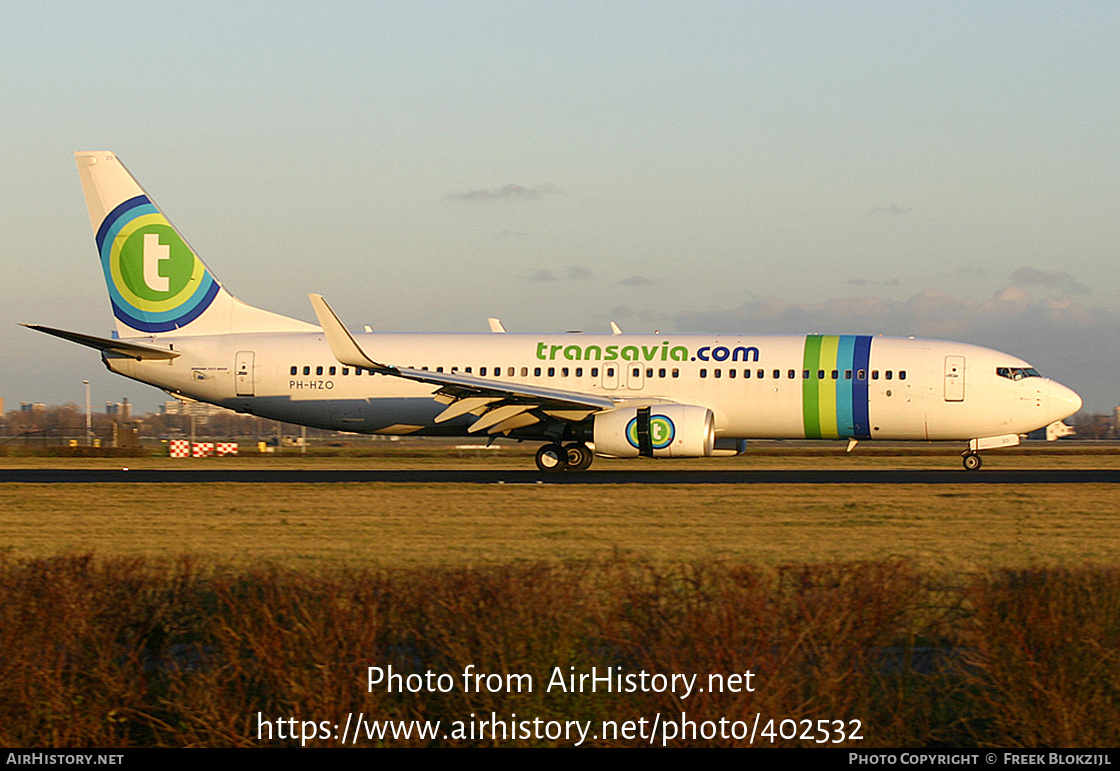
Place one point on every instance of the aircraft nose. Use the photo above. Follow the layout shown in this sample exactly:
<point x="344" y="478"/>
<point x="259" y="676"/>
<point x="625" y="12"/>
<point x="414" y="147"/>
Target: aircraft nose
<point x="1063" y="402"/>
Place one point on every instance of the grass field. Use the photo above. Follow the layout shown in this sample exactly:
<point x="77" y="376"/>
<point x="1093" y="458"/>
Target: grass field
<point x="936" y="615"/>
<point x="942" y="527"/>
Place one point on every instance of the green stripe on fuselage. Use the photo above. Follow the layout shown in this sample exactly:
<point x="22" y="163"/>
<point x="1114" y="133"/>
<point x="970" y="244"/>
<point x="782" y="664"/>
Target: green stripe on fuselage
<point x="830" y="346"/>
<point x="818" y="394"/>
<point x="810" y="387"/>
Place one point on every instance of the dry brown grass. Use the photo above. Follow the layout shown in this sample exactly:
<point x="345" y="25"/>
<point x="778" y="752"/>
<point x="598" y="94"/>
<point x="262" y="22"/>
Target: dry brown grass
<point x="118" y="652"/>
<point x="943" y="527"/>
<point x="947" y="615"/>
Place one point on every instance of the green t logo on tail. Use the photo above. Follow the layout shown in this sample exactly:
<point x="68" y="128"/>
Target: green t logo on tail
<point x="156" y="282"/>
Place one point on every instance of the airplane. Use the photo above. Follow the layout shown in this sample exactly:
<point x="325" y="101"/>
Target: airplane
<point x="580" y="395"/>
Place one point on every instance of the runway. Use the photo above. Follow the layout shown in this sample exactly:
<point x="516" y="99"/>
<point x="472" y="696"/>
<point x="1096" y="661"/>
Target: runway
<point x="592" y="477"/>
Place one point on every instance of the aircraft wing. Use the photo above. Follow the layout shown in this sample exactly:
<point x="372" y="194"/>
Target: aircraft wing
<point x="119" y="347"/>
<point x="503" y="405"/>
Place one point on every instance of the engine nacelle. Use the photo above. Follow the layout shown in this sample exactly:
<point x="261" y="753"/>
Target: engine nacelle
<point x="662" y="431"/>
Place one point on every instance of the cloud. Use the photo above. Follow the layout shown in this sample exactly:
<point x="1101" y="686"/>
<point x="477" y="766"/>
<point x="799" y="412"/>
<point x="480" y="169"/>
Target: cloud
<point x="1051" y="279"/>
<point x="1064" y="338"/>
<point x="636" y="281"/>
<point x="870" y="282"/>
<point x="894" y="210"/>
<point x="510" y="192"/>
<point x="969" y="272"/>
<point x="626" y="314"/>
<point x="573" y="273"/>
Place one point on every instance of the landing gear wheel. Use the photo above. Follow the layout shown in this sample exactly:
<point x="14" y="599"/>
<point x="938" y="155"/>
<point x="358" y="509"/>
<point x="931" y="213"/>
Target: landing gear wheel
<point x="972" y="461"/>
<point x="551" y="458"/>
<point x="579" y="457"/>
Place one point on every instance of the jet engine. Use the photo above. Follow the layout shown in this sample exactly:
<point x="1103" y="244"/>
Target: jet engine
<point x="660" y="431"/>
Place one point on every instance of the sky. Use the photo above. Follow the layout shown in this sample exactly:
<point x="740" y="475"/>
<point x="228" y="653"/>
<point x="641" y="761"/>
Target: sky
<point x="946" y="170"/>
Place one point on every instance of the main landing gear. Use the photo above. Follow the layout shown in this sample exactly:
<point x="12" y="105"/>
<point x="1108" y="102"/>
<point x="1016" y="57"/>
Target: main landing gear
<point x="971" y="461"/>
<point x="573" y="457"/>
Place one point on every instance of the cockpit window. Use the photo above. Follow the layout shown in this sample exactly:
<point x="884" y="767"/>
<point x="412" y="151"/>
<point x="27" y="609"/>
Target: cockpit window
<point x="1017" y="373"/>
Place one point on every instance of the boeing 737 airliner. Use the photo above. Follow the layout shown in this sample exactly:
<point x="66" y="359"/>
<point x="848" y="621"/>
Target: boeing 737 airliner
<point x="617" y="395"/>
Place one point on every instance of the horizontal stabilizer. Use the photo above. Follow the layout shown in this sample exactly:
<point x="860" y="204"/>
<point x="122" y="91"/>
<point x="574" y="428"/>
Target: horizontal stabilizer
<point x="120" y="347"/>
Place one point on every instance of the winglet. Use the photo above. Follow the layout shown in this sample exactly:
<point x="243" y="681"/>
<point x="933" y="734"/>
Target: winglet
<point x="615" y="330"/>
<point x="343" y="345"/>
<point x="496" y="325"/>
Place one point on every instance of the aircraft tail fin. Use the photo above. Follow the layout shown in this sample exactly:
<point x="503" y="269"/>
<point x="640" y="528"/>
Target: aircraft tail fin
<point x="157" y="283"/>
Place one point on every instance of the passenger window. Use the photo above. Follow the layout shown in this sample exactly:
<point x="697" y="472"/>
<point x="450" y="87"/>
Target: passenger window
<point x="563" y="371"/>
<point x="861" y="375"/>
<point x="482" y="371"/>
<point x="703" y="373"/>
<point x="295" y="370"/>
<point x="661" y="372"/>
<point x="761" y="373"/>
<point x="345" y="370"/>
<point x="730" y="373"/>
<point x="524" y="372"/>
<point x="676" y="372"/>
<point x="536" y="372"/>
<point x="718" y="373"/>
<point x="552" y="371"/>
<point x="902" y="374"/>
<point x="835" y="375"/>
<point x="512" y="371"/>
<point x="331" y="371"/>
<point x="874" y="374"/>
<point x="746" y="373"/>
<point x="847" y="374"/>
<point x="777" y="373"/>
<point x="439" y="369"/>
<point x="890" y="374"/>
<point x="307" y="370"/>
<point x="318" y="370"/>
<point x="594" y="372"/>
<point x="820" y="374"/>
<point x="649" y="372"/>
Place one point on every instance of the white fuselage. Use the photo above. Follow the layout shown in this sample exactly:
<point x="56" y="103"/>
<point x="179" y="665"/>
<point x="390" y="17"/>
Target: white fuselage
<point x="757" y="386"/>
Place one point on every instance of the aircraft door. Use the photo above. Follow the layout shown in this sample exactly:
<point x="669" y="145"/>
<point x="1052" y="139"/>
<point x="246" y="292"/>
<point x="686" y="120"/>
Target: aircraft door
<point x="610" y="376"/>
<point x="243" y="373"/>
<point x="634" y="377"/>
<point x="954" y="378"/>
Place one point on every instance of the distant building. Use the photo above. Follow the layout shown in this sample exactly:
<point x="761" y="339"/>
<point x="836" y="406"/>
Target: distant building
<point x="123" y="410"/>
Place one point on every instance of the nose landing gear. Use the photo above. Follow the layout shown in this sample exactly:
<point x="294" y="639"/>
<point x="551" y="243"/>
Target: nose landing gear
<point x="971" y="461"/>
